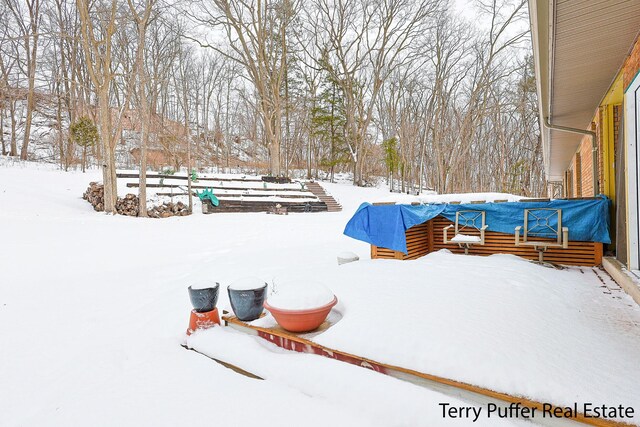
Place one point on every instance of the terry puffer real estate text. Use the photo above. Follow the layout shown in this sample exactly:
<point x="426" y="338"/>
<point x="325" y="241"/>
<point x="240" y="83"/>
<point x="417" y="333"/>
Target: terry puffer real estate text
<point x="518" y="410"/>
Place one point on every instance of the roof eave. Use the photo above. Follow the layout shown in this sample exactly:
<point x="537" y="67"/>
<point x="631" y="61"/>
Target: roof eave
<point x="539" y="19"/>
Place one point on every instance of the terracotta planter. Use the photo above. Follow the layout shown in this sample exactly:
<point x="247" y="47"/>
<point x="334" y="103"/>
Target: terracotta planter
<point x="301" y="320"/>
<point x="247" y="303"/>
<point x="204" y="299"/>
<point x="204" y="320"/>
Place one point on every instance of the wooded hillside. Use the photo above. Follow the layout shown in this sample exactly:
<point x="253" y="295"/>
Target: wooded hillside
<point x="418" y="91"/>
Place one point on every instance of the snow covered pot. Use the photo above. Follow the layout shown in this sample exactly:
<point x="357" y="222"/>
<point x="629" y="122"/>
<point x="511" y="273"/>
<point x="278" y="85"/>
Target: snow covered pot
<point x="246" y="296"/>
<point x="300" y="306"/>
<point x="204" y="296"/>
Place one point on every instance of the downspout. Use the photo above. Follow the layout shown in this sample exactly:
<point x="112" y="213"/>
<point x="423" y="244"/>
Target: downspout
<point x="594" y="149"/>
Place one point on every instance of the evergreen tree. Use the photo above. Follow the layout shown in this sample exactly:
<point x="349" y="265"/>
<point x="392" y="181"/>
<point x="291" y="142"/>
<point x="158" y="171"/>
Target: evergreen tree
<point x="328" y="123"/>
<point x="84" y="133"/>
<point x="392" y="158"/>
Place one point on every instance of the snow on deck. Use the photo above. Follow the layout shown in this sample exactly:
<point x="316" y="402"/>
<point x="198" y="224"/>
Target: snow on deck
<point x="93" y="309"/>
<point x="499" y="322"/>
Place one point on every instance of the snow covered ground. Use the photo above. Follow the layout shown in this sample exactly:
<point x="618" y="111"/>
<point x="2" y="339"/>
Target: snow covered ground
<point x="93" y="310"/>
<point x="498" y="321"/>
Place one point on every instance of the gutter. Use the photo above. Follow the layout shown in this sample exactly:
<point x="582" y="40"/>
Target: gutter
<point x="594" y="149"/>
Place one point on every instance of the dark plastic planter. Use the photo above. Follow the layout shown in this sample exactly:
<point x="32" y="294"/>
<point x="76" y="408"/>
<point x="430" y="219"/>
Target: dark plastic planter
<point x="247" y="304"/>
<point x="205" y="299"/>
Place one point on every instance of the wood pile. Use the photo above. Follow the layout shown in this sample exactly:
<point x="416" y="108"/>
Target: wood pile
<point x="166" y="210"/>
<point x="129" y="204"/>
<point x="95" y="196"/>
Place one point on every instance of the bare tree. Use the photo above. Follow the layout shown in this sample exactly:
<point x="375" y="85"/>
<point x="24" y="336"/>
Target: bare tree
<point x="354" y="86"/>
<point x="142" y="22"/>
<point x="97" y="31"/>
<point x="364" y="42"/>
<point x="182" y="77"/>
<point x="254" y="32"/>
<point x="7" y="92"/>
<point x="28" y="22"/>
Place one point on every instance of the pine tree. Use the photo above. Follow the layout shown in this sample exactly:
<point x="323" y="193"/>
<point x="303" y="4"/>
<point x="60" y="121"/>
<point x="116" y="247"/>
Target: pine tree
<point x="328" y="123"/>
<point x="392" y="158"/>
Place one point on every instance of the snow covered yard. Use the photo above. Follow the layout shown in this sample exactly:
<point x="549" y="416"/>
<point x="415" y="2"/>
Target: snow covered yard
<point x="498" y="321"/>
<point x="93" y="310"/>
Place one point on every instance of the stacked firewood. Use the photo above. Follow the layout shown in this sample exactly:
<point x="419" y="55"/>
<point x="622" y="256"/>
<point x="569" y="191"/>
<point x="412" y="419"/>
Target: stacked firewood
<point x="166" y="210"/>
<point x="95" y="196"/>
<point x="129" y="204"/>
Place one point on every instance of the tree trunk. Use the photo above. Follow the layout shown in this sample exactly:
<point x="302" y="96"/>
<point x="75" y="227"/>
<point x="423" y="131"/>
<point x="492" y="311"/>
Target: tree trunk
<point x="144" y="110"/>
<point x="14" y="143"/>
<point x="189" y="170"/>
<point x="31" y="66"/>
<point x="274" y="158"/>
<point x="59" y="126"/>
<point x="4" y="148"/>
<point x="108" y="160"/>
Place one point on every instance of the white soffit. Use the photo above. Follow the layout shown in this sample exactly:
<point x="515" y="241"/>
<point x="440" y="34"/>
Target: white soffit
<point x="586" y="42"/>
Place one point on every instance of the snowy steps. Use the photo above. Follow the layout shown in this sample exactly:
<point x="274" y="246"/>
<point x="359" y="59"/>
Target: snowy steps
<point x="297" y="197"/>
<point x="242" y="194"/>
<point x="184" y="177"/>
<point x="319" y="192"/>
<point x="197" y="184"/>
<point x="240" y="205"/>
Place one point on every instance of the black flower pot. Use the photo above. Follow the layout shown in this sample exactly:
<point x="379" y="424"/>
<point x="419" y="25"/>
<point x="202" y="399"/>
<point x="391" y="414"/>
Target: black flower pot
<point x="205" y="299"/>
<point x="247" y="303"/>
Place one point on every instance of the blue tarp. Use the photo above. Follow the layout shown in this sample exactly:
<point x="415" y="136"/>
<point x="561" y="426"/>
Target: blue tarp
<point x="385" y="225"/>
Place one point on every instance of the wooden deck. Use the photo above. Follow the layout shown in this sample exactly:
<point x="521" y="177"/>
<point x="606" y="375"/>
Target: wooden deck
<point x="304" y="343"/>
<point x="428" y="237"/>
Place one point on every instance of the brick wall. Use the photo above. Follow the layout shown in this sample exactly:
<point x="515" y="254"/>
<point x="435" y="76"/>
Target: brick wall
<point x="631" y="65"/>
<point x="586" y="155"/>
<point x="582" y="164"/>
<point x="578" y="175"/>
<point x="574" y="173"/>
